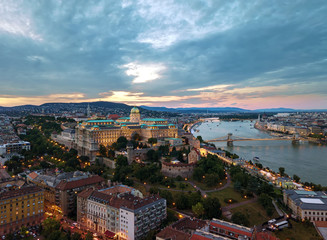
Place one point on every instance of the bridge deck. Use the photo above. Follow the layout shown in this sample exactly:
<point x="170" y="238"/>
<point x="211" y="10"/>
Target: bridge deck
<point x="256" y="139"/>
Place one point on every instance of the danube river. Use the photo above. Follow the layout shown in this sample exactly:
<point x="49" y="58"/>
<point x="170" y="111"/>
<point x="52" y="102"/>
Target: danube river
<point x="307" y="160"/>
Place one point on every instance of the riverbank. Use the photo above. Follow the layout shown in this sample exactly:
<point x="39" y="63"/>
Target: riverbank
<point x="304" y="159"/>
<point x="261" y="126"/>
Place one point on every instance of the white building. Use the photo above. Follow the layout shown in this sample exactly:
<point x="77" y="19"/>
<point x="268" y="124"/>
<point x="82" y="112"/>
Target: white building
<point x="307" y="204"/>
<point x="125" y="215"/>
<point x="15" y="147"/>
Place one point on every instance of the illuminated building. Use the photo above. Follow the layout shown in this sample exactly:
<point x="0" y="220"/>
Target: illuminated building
<point x="126" y="214"/>
<point x="61" y="190"/>
<point x="21" y="207"/>
<point x="310" y="205"/>
<point x="92" y="133"/>
<point x="14" y="147"/>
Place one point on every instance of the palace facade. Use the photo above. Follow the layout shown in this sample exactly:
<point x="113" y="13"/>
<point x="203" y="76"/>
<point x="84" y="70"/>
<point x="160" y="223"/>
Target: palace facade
<point x="89" y="135"/>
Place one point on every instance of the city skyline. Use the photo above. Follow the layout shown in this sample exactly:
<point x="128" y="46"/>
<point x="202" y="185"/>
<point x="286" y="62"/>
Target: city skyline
<point x="249" y="55"/>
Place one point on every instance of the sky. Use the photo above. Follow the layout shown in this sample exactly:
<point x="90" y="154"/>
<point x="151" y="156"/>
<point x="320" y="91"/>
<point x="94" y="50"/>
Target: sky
<point x="210" y="53"/>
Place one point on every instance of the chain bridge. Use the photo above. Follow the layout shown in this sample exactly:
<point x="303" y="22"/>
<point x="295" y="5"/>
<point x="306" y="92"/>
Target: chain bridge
<point x="230" y="138"/>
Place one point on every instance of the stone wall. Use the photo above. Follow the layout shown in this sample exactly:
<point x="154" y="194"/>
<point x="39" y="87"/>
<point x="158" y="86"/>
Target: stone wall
<point x="177" y="169"/>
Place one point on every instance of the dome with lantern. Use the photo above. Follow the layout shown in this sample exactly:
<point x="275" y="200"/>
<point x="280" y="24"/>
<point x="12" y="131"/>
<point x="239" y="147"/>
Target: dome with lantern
<point x="135" y="110"/>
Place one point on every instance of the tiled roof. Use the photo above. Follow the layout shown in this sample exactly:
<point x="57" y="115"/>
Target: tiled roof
<point x="85" y="193"/>
<point x="117" y="189"/>
<point x="128" y="200"/>
<point x="33" y="175"/>
<point x="20" y="192"/>
<point x="200" y="235"/>
<point x="174" y="234"/>
<point x="231" y="226"/>
<point x="4" y="175"/>
<point x="64" y="185"/>
<point x="188" y="223"/>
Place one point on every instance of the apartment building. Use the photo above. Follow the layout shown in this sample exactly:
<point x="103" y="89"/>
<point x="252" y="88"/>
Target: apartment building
<point x="126" y="215"/>
<point x="66" y="191"/>
<point x="20" y="207"/>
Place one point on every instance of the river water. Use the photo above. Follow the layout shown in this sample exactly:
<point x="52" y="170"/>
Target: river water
<point x="307" y="160"/>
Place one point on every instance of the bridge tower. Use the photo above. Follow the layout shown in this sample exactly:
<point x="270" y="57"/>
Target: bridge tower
<point x="229" y="140"/>
<point x="296" y="138"/>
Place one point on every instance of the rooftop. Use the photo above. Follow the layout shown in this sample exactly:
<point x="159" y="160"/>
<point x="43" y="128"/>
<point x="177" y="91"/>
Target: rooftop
<point x="201" y="235"/>
<point x="3" y="174"/>
<point x="231" y="225"/>
<point x="308" y="200"/>
<point x="171" y="233"/>
<point x="85" y="193"/>
<point x="100" y="121"/>
<point x="20" y="192"/>
<point x="188" y="223"/>
<point x="64" y="185"/>
<point x="127" y="200"/>
<point x="312" y="200"/>
<point x="154" y="119"/>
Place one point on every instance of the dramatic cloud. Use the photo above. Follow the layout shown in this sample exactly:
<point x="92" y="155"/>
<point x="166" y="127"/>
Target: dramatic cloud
<point x="143" y="72"/>
<point x="173" y="53"/>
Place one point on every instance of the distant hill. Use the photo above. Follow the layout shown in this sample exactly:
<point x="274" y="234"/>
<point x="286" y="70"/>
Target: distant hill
<point x="112" y="105"/>
<point x="101" y="104"/>
<point x="229" y="109"/>
<point x="199" y="110"/>
<point x="276" y="110"/>
<point x="68" y="106"/>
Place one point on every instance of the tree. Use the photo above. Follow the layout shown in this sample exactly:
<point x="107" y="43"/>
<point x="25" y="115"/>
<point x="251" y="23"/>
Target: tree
<point x="237" y="186"/>
<point x="50" y="225"/>
<point x="152" y="140"/>
<point x="282" y="171"/>
<point x="266" y="202"/>
<point x="212" y="207"/>
<point x="240" y="218"/>
<point x="136" y="137"/>
<point x="152" y="155"/>
<point x="296" y="178"/>
<point x="211" y="179"/>
<point x="168" y="196"/>
<point x="76" y="236"/>
<point x="200" y="139"/>
<point x="121" y="161"/>
<point x="84" y="159"/>
<point x="198" y="173"/>
<point x="89" y="236"/>
<point x="120" y="144"/>
<point x="182" y="202"/>
<point x="102" y="151"/>
<point x="198" y="209"/>
<point x="111" y="153"/>
<point x="194" y="198"/>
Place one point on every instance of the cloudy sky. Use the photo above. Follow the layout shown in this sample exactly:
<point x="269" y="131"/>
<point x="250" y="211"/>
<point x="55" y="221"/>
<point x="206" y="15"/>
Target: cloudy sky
<point x="248" y="54"/>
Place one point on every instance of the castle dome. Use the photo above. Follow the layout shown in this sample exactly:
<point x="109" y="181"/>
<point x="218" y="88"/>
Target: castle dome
<point x="135" y="110"/>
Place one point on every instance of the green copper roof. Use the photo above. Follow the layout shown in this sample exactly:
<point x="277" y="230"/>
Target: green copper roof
<point x="154" y="119"/>
<point x="124" y="118"/>
<point x="157" y="125"/>
<point x="135" y="110"/>
<point x="105" y="120"/>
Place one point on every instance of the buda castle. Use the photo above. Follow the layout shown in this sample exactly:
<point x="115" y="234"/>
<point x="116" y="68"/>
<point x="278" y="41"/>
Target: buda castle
<point x="89" y="135"/>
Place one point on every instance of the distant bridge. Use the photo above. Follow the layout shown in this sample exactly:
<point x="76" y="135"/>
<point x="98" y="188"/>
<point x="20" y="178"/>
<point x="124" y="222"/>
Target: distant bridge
<point x="229" y="138"/>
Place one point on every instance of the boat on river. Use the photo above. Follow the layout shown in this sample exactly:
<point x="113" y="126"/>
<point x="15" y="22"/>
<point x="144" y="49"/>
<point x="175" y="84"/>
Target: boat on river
<point x="256" y="160"/>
